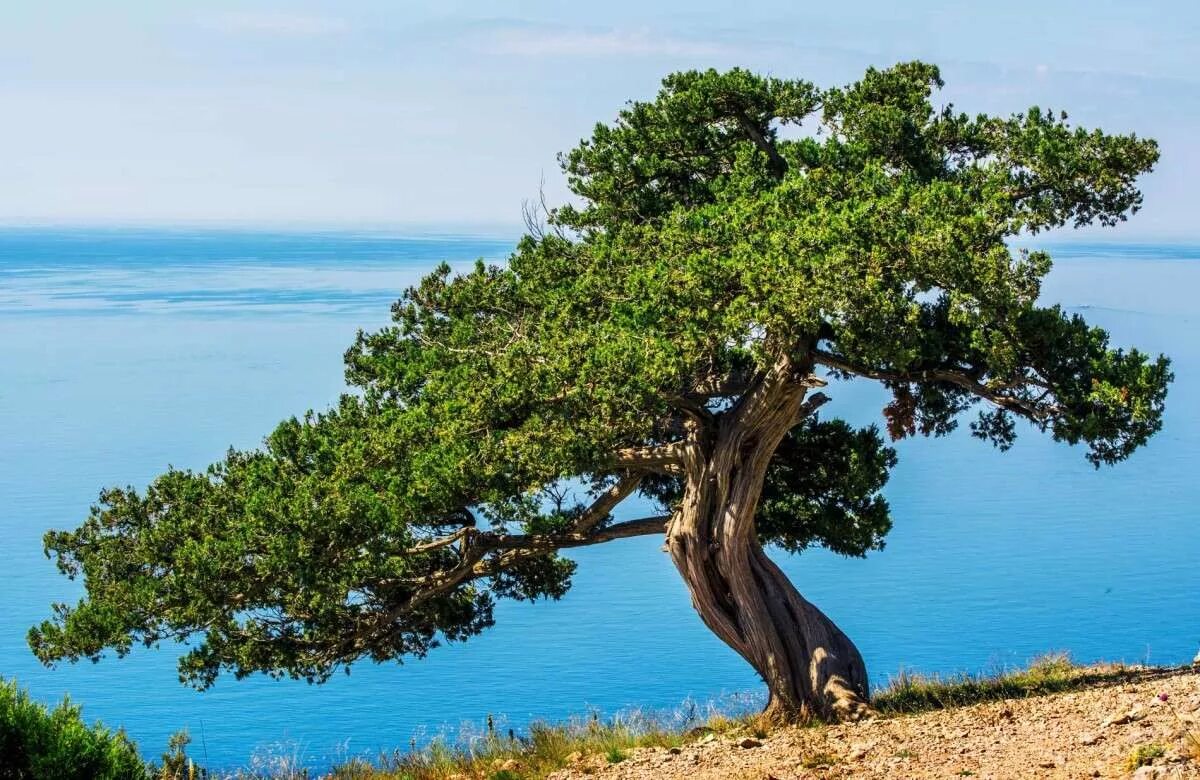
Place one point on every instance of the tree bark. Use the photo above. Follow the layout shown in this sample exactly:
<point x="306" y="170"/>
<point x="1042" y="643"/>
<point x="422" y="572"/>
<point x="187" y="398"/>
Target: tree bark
<point x="810" y="667"/>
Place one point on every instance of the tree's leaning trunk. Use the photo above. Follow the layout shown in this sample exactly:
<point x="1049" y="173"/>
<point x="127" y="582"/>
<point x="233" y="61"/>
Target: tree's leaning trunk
<point x="810" y="667"/>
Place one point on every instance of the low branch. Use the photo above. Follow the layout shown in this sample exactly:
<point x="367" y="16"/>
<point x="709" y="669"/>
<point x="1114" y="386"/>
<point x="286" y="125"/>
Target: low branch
<point x="517" y="547"/>
<point x="550" y="542"/>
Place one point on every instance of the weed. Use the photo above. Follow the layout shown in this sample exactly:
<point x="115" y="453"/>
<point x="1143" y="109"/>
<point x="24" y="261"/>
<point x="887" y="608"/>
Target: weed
<point x="818" y="760"/>
<point x="1144" y="755"/>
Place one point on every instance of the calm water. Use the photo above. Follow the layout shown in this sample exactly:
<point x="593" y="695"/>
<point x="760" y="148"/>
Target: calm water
<point x="123" y="352"/>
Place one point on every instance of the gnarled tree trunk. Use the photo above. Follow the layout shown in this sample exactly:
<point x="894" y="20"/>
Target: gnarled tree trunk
<point x="810" y="667"/>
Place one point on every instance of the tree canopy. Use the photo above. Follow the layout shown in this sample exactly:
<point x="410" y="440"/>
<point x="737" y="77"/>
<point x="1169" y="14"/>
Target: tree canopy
<point x="734" y="234"/>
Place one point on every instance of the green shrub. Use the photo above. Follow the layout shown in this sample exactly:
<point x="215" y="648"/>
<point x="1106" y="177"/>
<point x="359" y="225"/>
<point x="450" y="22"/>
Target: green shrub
<point x="37" y="743"/>
<point x="1144" y="755"/>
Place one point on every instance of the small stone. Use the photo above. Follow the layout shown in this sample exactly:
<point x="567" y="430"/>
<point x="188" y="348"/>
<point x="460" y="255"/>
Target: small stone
<point x="1146" y="773"/>
<point x="750" y="742"/>
<point x="1090" y="739"/>
<point x="858" y="752"/>
<point x="1121" y="720"/>
<point x="675" y="751"/>
<point x="1047" y="765"/>
<point x="1196" y="660"/>
<point x="709" y="737"/>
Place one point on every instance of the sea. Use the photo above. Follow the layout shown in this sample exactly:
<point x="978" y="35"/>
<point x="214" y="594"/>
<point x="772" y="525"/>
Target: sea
<point x="125" y="351"/>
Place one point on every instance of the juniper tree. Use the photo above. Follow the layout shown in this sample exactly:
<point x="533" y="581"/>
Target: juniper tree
<point x="735" y="243"/>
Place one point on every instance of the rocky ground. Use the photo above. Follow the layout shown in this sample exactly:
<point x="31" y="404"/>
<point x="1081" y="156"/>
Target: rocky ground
<point x="1089" y="733"/>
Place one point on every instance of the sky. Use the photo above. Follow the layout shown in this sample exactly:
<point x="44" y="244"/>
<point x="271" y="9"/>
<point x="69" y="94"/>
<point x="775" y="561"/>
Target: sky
<point x="448" y="115"/>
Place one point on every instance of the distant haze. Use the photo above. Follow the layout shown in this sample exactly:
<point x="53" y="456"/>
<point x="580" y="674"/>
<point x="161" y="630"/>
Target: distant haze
<point x="447" y="115"/>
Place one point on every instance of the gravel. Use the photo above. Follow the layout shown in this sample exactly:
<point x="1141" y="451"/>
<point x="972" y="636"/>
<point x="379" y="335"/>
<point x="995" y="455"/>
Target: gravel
<point x="1083" y="734"/>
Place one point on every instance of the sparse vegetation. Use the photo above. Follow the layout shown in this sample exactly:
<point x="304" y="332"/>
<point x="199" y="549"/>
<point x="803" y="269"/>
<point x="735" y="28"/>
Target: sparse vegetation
<point x="1144" y="755"/>
<point x="615" y="755"/>
<point x="589" y="742"/>
<point x="548" y="748"/>
<point x="1052" y="673"/>
<point x="1191" y="735"/>
<point x="818" y="760"/>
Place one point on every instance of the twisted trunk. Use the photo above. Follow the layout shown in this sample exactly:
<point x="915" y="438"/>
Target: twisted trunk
<point x="810" y="667"/>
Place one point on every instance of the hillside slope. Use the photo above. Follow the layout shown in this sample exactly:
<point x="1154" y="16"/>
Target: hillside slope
<point x="1102" y="731"/>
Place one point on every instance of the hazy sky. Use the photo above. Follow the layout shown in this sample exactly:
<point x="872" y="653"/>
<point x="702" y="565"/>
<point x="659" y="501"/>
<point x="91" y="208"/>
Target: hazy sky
<point x="393" y="114"/>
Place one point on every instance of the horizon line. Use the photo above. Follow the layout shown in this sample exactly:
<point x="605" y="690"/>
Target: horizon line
<point x="484" y="230"/>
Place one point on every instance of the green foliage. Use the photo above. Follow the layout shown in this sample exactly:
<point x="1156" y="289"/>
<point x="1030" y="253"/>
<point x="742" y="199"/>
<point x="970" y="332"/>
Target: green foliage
<point x="823" y="486"/>
<point x="735" y="219"/>
<point x="38" y="743"/>
<point x="1144" y="755"/>
<point x="175" y="762"/>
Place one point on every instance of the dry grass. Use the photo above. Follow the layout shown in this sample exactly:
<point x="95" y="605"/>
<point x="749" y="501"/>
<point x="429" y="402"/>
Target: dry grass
<point x="546" y="749"/>
<point x="1052" y="673"/>
<point x="591" y="741"/>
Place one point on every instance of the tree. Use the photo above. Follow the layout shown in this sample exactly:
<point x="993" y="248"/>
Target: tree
<point x="667" y="336"/>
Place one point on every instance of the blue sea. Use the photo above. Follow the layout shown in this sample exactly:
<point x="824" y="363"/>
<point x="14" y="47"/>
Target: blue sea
<point x="122" y="352"/>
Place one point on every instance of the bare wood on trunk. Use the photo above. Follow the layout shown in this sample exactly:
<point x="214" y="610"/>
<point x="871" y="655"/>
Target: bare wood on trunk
<point x="809" y="665"/>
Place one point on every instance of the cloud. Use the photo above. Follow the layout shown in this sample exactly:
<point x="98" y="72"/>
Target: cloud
<point x="533" y="42"/>
<point x="277" y="24"/>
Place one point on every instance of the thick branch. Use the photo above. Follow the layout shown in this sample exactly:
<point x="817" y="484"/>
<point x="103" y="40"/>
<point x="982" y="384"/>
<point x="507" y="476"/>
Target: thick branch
<point x="810" y="405"/>
<point x="518" y="547"/>
<point x="722" y="385"/>
<point x="691" y="406"/>
<point x="440" y="542"/>
<point x="959" y="378"/>
<point x="664" y="458"/>
<point x="548" y="542"/>
<point x="606" y="502"/>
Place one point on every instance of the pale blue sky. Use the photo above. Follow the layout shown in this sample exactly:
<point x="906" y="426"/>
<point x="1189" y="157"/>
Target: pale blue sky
<point x="393" y="115"/>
